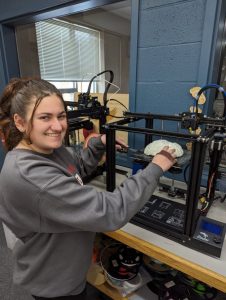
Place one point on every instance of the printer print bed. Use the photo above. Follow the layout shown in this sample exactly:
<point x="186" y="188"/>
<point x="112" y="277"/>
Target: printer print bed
<point x="139" y="155"/>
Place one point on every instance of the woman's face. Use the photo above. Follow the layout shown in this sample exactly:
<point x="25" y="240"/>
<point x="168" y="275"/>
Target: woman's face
<point x="49" y="124"/>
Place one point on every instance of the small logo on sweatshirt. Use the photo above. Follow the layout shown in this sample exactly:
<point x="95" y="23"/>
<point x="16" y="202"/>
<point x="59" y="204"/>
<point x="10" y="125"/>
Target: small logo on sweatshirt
<point x="79" y="179"/>
<point x="71" y="169"/>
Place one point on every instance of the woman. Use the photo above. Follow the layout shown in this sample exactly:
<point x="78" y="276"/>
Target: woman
<point x="42" y="197"/>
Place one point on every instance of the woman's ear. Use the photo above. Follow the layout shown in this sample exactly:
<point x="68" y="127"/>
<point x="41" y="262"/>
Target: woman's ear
<point x="19" y="123"/>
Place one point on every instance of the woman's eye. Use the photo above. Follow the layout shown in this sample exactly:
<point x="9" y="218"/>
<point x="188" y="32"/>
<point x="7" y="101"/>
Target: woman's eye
<point x="62" y="117"/>
<point x="44" y="118"/>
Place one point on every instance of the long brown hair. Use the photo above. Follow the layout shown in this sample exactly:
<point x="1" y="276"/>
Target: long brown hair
<point x="15" y="99"/>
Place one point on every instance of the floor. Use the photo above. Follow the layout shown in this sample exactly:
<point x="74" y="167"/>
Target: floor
<point x="10" y="291"/>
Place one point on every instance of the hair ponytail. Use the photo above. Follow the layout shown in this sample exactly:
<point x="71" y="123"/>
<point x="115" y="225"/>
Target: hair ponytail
<point x="7" y="126"/>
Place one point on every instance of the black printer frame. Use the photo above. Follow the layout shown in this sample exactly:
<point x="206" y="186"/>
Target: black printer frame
<point x="198" y="152"/>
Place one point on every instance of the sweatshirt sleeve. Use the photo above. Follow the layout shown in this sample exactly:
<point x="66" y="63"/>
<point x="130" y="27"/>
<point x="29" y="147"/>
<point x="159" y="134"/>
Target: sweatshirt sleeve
<point x="82" y="208"/>
<point x="87" y="159"/>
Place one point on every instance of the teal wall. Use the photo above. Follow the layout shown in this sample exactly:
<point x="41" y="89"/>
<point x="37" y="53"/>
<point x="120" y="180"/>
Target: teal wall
<point x="174" y="53"/>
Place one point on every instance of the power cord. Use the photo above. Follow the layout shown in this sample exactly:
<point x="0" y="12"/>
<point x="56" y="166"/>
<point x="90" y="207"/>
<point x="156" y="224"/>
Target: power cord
<point x="117" y="117"/>
<point x="211" y="86"/>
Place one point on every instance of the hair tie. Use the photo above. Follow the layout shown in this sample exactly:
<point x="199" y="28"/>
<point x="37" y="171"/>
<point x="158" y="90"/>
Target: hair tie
<point x="167" y="154"/>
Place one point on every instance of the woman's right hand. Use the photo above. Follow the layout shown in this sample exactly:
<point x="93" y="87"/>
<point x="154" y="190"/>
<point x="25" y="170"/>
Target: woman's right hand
<point x="165" y="159"/>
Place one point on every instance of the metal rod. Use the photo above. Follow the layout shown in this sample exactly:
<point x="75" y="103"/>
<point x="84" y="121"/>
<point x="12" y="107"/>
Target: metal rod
<point x="197" y="163"/>
<point x="216" y="151"/>
<point x="148" y="137"/>
<point x="124" y="121"/>
<point x="110" y="159"/>
<point x="153" y="116"/>
<point x="102" y="122"/>
<point x="151" y="131"/>
<point x="203" y="120"/>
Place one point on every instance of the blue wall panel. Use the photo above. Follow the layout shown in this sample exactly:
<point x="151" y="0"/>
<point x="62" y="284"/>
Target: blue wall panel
<point x="168" y="63"/>
<point x="155" y="3"/>
<point x="175" y="24"/>
<point x="2" y="68"/>
<point x="163" y="98"/>
<point x="170" y="44"/>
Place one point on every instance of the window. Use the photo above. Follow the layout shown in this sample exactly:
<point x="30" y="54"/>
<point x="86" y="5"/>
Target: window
<point x="70" y="50"/>
<point x="67" y="51"/>
<point x="69" y="54"/>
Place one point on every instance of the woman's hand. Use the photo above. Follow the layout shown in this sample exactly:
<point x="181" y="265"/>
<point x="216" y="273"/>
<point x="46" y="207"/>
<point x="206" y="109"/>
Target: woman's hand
<point x="165" y="159"/>
<point x="119" y="143"/>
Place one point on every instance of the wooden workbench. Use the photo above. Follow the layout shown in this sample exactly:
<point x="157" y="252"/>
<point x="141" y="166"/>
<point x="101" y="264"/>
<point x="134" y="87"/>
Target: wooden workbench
<point x="207" y="269"/>
<point x="210" y="270"/>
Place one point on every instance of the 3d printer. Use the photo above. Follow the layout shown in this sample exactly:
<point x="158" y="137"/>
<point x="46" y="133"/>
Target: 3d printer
<point x="79" y="113"/>
<point x="186" y="220"/>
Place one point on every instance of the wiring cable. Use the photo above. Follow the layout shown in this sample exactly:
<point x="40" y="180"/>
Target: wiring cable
<point x="210" y="184"/>
<point x="185" y="173"/>
<point x="107" y="86"/>
<point x="117" y="117"/>
<point x="119" y="103"/>
<point x="206" y="202"/>
<point x="211" y="86"/>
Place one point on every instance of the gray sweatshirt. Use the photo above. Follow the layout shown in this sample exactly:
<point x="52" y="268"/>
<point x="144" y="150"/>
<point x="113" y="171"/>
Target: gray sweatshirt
<point x="55" y="218"/>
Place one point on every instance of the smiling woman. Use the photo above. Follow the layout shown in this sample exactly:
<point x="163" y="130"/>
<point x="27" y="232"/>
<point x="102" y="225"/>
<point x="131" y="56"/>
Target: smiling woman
<point x="43" y="200"/>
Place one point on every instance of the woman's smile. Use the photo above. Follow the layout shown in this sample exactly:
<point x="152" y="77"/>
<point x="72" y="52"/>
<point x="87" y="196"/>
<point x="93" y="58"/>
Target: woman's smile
<point x="53" y="134"/>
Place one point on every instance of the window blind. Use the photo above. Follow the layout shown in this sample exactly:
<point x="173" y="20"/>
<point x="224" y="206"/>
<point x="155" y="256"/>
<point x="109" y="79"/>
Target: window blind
<point x="67" y="51"/>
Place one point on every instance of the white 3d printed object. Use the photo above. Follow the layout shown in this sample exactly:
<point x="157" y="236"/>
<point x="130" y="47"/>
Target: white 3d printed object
<point x="156" y="146"/>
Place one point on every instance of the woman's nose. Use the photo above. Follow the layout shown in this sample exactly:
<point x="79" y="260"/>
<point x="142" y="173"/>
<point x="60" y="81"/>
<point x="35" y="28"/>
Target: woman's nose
<point x="56" y="125"/>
